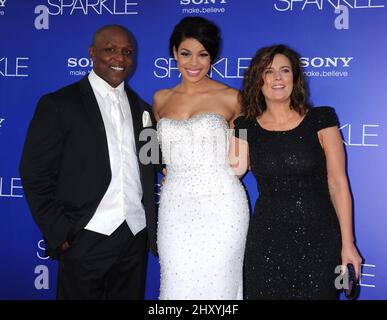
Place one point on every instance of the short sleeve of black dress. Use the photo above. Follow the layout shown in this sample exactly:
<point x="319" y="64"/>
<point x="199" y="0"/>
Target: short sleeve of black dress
<point x="240" y="128"/>
<point x="325" y="117"/>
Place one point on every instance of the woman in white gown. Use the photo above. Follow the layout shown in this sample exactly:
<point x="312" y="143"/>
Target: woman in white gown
<point x="204" y="213"/>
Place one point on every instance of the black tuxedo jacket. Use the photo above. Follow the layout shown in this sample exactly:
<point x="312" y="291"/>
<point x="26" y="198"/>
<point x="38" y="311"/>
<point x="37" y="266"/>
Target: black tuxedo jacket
<point x="65" y="168"/>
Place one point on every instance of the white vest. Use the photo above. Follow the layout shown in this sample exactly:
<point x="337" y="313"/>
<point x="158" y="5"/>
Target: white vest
<point x="122" y="200"/>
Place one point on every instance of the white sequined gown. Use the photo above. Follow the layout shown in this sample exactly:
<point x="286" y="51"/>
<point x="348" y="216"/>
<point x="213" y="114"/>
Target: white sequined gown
<point x="203" y="213"/>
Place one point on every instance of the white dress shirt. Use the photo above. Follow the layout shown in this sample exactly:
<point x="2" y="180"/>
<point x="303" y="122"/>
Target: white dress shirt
<point x="122" y="200"/>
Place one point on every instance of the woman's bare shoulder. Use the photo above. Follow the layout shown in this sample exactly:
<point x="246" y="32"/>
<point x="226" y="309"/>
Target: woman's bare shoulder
<point x="229" y="96"/>
<point x="160" y="97"/>
<point x="224" y="90"/>
<point x="162" y="94"/>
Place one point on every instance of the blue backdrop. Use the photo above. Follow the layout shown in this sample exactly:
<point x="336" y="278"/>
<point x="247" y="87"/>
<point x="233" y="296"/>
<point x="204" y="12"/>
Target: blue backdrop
<point x="343" y="45"/>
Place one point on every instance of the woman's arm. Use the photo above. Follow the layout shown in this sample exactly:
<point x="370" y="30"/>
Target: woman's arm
<point x="332" y="144"/>
<point x="239" y="148"/>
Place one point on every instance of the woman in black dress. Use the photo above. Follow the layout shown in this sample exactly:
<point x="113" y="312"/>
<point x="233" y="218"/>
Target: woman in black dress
<point x="301" y="230"/>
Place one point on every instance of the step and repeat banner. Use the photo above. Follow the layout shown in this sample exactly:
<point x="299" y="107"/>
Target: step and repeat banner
<point x="44" y="46"/>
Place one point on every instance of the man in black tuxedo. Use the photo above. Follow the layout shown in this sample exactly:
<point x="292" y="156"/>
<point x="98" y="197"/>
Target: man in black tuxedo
<point x="89" y="193"/>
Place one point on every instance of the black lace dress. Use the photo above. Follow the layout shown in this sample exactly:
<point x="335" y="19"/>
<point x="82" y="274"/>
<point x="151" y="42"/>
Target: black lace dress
<point x="294" y="242"/>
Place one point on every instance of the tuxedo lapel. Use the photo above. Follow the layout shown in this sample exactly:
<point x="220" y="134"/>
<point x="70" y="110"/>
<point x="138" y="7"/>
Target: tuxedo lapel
<point x="136" y="117"/>
<point x="136" y="111"/>
<point x="91" y="105"/>
<point x="94" y="114"/>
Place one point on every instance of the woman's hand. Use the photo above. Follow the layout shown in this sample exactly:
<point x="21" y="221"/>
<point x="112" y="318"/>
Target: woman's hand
<point x="349" y="254"/>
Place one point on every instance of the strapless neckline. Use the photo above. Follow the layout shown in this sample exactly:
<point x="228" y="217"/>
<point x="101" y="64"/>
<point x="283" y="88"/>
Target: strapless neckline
<point x="199" y="115"/>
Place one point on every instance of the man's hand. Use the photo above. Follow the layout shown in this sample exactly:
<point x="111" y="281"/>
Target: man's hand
<point x="162" y="181"/>
<point x="64" y="246"/>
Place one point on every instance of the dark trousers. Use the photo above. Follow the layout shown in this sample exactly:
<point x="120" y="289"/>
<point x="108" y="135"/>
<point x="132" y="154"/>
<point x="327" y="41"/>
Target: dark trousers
<point x="98" y="267"/>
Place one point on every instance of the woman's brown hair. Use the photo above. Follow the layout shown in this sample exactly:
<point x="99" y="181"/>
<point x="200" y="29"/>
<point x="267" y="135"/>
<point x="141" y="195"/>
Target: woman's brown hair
<point x="251" y="96"/>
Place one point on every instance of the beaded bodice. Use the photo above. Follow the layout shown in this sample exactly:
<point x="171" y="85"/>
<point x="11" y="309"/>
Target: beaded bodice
<point x="199" y="143"/>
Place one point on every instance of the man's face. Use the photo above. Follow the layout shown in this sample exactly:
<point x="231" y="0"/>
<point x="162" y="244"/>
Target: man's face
<point x="113" y="55"/>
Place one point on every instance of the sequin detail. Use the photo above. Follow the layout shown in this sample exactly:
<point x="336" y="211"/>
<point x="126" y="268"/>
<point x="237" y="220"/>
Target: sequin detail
<point x="293" y="243"/>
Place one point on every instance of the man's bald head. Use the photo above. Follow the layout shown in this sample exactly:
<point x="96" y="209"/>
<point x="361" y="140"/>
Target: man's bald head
<point x="101" y="32"/>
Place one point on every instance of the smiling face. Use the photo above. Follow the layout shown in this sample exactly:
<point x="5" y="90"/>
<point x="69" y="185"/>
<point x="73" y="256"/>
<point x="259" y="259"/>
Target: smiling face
<point x="193" y="60"/>
<point x="278" y="80"/>
<point x="112" y="53"/>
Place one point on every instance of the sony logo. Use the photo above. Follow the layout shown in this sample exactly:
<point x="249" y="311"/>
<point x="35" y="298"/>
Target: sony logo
<point x="324" y="62"/>
<point x="186" y="2"/>
<point x="81" y="62"/>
